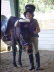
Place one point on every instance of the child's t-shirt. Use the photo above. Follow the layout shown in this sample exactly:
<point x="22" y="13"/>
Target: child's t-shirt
<point x="32" y="27"/>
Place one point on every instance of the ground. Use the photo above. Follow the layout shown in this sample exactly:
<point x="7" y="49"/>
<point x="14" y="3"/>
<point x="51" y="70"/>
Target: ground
<point x="47" y="62"/>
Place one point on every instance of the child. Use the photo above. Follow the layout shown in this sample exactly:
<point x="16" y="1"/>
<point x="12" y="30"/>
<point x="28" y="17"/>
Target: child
<point x="34" y="29"/>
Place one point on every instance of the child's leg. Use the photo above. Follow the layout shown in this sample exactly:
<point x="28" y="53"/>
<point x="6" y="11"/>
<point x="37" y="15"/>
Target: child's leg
<point x="20" y="53"/>
<point x="35" y="43"/>
<point x="14" y="50"/>
<point x="37" y="55"/>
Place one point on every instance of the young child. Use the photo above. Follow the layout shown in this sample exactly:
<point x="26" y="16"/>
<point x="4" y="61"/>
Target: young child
<point x="34" y="29"/>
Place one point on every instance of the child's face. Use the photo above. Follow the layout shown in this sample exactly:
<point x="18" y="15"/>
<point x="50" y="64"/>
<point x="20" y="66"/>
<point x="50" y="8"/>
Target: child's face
<point x="29" y="15"/>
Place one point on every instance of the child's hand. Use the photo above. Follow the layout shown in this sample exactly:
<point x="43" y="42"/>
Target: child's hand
<point x="16" y="23"/>
<point x="38" y="30"/>
<point x="35" y="32"/>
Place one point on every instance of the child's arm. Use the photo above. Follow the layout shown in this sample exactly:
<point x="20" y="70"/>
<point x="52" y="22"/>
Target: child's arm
<point x="38" y="29"/>
<point x="16" y="23"/>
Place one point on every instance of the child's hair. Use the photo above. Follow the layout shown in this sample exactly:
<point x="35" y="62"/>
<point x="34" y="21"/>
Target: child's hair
<point x="29" y="12"/>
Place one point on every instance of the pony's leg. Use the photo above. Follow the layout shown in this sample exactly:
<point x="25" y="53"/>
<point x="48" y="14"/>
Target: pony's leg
<point x="20" y="54"/>
<point x="14" y="51"/>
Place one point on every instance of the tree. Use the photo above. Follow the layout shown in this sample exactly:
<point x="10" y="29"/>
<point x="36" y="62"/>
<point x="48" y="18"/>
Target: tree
<point x="41" y="5"/>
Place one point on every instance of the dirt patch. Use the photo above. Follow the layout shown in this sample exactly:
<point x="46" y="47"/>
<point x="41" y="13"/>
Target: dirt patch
<point x="47" y="62"/>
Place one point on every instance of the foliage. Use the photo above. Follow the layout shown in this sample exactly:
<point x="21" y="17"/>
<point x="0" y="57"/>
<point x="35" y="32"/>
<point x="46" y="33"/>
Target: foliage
<point x="41" y="5"/>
